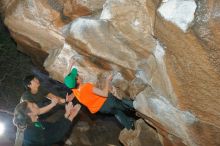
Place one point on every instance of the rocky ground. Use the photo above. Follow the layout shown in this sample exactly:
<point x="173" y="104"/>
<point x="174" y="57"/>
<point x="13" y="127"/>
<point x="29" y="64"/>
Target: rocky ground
<point x="88" y="129"/>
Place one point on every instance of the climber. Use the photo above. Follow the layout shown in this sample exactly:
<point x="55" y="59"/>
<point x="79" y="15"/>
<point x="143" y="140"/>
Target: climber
<point x="99" y="100"/>
<point x="40" y="133"/>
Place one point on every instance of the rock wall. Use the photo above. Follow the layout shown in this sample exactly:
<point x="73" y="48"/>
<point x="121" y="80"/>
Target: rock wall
<point x="165" y="53"/>
<point x="192" y="63"/>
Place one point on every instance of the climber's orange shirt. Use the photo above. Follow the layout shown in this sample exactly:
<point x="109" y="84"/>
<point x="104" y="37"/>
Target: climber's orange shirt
<point x="86" y="96"/>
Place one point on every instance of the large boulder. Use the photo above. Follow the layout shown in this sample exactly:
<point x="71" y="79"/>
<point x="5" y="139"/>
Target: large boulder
<point x="165" y="54"/>
<point x="35" y="25"/>
<point x="192" y="60"/>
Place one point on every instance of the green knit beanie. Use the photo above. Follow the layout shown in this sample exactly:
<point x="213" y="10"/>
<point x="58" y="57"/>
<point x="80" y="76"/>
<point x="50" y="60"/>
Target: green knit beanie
<point x="70" y="79"/>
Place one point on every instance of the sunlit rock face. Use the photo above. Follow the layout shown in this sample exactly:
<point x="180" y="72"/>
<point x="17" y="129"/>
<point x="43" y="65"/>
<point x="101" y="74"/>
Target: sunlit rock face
<point x="164" y="55"/>
<point x="37" y="24"/>
<point x="192" y="63"/>
<point x="157" y="108"/>
<point x="179" y="12"/>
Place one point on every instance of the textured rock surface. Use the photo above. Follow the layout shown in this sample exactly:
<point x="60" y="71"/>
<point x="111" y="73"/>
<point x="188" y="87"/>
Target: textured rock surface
<point x="171" y="46"/>
<point x="180" y="12"/>
<point x="143" y="135"/>
<point x="192" y="64"/>
<point x="99" y="133"/>
<point x="157" y="107"/>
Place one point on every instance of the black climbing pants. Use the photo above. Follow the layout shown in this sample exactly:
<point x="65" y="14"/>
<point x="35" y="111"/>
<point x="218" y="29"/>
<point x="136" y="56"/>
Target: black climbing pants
<point x="118" y="107"/>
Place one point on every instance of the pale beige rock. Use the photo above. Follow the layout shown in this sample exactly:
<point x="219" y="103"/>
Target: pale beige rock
<point x="58" y="61"/>
<point x="143" y="135"/>
<point x="73" y="9"/>
<point x="108" y="47"/>
<point x="160" y="109"/>
<point x="181" y="69"/>
<point x="33" y="29"/>
<point x="114" y="43"/>
<point x="192" y="66"/>
<point x="131" y="18"/>
<point x="118" y="86"/>
<point x="136" y="86"/>
<point x="153" y="72"/>
<point x="93" y="5"/>
<point x="37" y="25"/>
